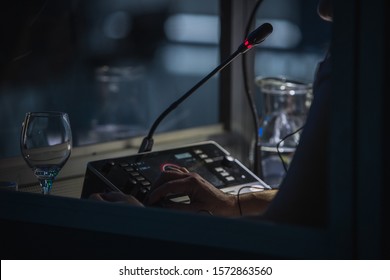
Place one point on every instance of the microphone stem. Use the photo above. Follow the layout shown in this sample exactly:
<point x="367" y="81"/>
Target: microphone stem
<point x="147" y="142"/>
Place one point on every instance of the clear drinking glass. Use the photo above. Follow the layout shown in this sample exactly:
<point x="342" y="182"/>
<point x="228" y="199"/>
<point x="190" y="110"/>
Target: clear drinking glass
<point x="285" y="106"/>
<point x="46" y="144"/>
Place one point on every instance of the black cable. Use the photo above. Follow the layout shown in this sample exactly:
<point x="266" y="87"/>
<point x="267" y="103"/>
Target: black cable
<point x="238" y="195"/>
<point x="283" y="139"/>
<point x="256" y="153"/>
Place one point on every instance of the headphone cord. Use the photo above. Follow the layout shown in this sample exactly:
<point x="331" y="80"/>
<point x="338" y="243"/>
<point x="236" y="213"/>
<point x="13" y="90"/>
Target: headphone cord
<point x="256" y="154"/>
<point x="281" y="141"/>
<point x="238" y="195"/>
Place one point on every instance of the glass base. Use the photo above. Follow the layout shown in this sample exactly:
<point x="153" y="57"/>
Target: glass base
<point x="46" y="186"/>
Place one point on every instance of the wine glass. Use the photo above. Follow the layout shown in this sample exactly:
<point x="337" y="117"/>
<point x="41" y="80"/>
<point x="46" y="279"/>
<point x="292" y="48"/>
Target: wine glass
<point x="46" y="144"/>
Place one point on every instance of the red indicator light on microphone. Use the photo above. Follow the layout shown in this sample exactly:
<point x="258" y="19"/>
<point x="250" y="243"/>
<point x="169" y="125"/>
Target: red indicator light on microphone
<point x="247" y="45"/>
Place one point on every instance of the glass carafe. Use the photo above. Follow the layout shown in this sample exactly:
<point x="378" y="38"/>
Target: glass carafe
<point x="284" y="108"/>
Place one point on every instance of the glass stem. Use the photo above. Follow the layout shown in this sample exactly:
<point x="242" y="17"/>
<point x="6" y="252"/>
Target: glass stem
<point x="46" y="185"/>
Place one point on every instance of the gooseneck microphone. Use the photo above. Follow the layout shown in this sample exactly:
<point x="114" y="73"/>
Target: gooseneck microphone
<point x="254" y="38"/>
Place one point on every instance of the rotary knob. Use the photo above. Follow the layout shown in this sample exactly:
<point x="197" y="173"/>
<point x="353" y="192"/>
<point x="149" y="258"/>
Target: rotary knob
<point x="227" y="161"/>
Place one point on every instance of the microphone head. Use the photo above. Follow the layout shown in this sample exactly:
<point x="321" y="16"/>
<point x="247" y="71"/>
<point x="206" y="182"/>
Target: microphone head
<point x="257" y="36"/>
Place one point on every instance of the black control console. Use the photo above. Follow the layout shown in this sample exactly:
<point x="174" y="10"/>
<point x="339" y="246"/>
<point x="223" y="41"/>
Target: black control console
<point x="136" y="174"/>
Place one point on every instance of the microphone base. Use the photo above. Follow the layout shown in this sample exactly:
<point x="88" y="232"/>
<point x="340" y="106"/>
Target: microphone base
<point x="146" y="145"/>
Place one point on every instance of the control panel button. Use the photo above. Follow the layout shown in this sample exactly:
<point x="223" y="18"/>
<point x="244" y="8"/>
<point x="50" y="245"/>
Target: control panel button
<point x="129" y="169"/>
<point x="229" y="178"/>
<point x="145" y="183"/>
<point x="132" y="182"/>
<point x="140" y="178"/>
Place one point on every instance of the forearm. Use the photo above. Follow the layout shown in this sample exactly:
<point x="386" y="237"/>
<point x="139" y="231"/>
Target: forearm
<point x="255" y="203"/>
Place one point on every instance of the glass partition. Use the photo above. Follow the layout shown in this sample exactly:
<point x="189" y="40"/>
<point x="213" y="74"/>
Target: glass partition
<point x="113" y="66"/>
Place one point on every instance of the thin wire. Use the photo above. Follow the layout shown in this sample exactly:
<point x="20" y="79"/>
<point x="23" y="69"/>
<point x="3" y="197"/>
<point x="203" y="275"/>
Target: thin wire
<point x="254" y="10"/>
<point x="39" y="13"/>
<point x="238" y="195"/>
<point x="29" y="26"/>
<point x="252" y="104"/>
<point x="281" y="141"/>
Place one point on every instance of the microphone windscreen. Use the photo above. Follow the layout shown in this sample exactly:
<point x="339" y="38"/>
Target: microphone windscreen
<point x="259" y="34"/>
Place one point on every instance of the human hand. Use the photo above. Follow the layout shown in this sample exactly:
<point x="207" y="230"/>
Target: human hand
<point x="204" y="197"/>
<point x="116" y="197"/>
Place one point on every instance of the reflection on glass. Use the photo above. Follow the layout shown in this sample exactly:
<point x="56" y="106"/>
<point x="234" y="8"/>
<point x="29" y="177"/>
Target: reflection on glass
<point x="46" y="144"/>
<point x="285" y="107"/>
